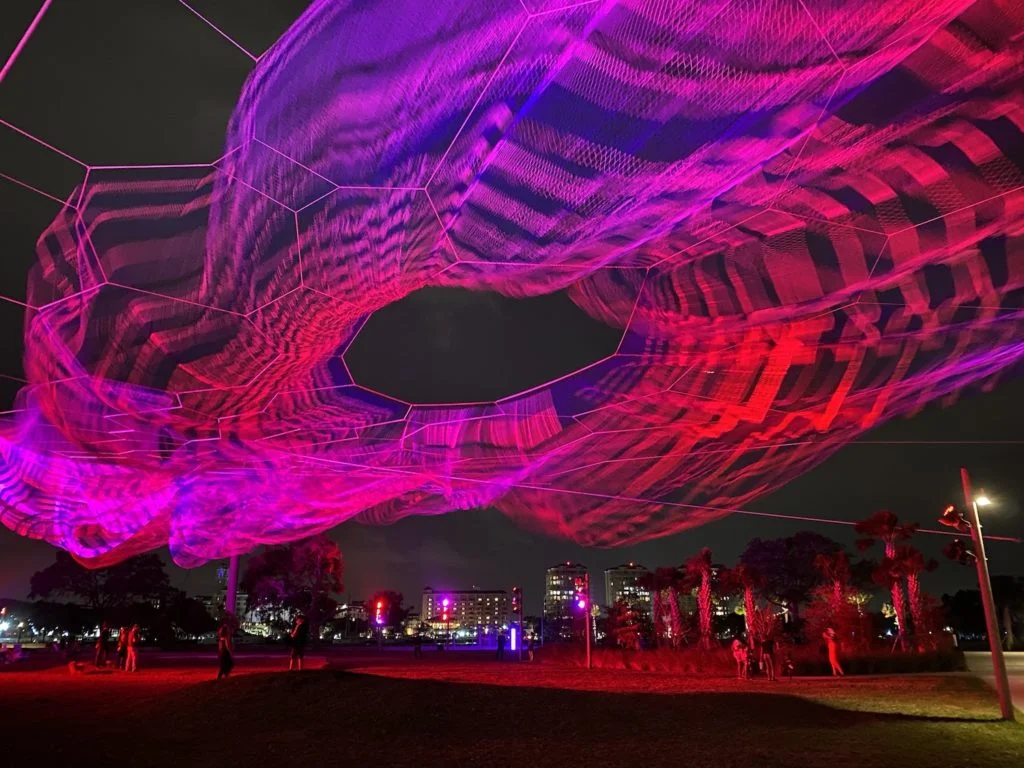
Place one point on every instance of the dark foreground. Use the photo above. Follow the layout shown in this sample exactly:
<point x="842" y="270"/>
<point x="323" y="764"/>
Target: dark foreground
<point x="468" y="713"/>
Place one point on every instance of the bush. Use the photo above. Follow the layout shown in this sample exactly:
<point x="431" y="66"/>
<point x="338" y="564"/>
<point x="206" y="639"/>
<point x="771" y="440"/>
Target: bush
<point x="718" y="662"/>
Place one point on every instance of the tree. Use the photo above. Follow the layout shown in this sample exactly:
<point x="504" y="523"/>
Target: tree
<point x="624" y="626"/>
<point x="835" y="603"/>
<point x="742" y="580"/>
<point x="139" y="578"/>
<point x="785" y="567"/>
<point x="884" y="526"/>
<point x="913" y="563"/>
<point x="394" y="612"/>
<point x="1008" y="592"/>
<point x="698" y="574"/>
<point x="663" y="584"/>
<point x="302" y="577"/>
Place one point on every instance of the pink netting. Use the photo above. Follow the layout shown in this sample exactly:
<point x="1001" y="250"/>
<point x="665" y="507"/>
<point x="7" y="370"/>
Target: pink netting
<point x="806" y="218"/>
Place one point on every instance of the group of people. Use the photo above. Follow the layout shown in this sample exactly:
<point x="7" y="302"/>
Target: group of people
<point x="762" y="654"/>
<point x="128" y="639"/>
<point x="298" y="638"/>
<point x="758" y="655"/>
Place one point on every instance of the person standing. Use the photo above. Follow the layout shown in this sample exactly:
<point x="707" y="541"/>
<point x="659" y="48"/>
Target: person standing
<point x="132" y="662"/>
<point x="501" y="645"/>
<point x="739" y="654"/>
<point x="122" y="648"/>
<point x="768" y="656"/>
<point x="833" y="651"/>
<point x="225" y="651"/>
<point x="299" y="638"/>
<point x="102" y="645"/>
<point x="417" y="645"/>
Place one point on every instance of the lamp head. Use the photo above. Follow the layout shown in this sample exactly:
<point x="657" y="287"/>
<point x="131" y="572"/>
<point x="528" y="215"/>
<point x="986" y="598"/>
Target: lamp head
<point x="982" y="500"/>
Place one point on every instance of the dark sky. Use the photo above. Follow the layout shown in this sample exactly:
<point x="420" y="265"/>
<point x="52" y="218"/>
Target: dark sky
<point x="130" y="82"/>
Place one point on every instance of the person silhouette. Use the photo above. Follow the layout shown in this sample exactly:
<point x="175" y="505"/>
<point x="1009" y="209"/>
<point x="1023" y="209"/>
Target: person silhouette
<point x="833" y="651"/>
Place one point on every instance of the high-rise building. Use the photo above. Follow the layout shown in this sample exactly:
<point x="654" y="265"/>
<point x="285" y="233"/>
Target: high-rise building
<point x="624" y="582"/>
<point x="467" y="608"/>
<point x="560" y="588"/>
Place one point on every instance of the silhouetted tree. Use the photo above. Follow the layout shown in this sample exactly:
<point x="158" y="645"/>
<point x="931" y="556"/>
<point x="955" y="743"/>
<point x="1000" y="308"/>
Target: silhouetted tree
<point x="785" y="567"/>
<point x="139" y="578"/>
<point x="302" y="576"/>
<point x="885" y="527"/>
<point x="1008" y="592"/>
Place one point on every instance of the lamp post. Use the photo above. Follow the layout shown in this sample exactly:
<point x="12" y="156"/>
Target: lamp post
<point x="583" y="603"/>
<point x="989" y="603"/>
<point x="447" y="622"/>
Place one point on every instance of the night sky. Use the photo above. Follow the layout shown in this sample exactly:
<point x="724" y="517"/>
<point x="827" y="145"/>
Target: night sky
<point x="130" y="82"/>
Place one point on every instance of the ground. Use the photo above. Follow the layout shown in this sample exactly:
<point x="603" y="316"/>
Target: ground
<point x="397" y="711"/>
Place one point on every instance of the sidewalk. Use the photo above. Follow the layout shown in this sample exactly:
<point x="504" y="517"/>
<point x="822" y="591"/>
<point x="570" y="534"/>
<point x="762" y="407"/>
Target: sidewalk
<point x="979" y="663"/>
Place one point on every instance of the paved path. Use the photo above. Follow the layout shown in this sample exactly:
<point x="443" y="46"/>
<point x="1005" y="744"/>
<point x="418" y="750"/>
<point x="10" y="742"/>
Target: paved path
<point x="980" y="663"/>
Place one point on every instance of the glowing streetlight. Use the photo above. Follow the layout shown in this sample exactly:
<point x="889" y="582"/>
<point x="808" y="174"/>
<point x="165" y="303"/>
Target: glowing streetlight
<point x="983" y="501"/>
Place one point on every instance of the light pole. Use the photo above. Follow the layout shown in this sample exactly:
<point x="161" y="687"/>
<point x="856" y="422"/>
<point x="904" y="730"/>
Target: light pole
<point x="991" y="625"/>
<point x="583" y="603"/>
<point x="447" y="622"/>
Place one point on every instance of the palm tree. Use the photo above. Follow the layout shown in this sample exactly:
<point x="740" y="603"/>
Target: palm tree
<point x="913" y="563"/>
<point x="835" y="570"/>
<point x="748" y="580"/>
<point x="884" y="526"/>
<point x="698" y="573"/>
<point x="659" y="583"/>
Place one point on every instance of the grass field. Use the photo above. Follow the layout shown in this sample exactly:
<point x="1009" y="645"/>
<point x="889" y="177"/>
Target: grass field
<point x="405" y="713"/>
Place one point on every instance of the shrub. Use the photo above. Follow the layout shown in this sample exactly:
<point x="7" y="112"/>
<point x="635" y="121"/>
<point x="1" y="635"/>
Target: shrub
<point x="718" y="662"/>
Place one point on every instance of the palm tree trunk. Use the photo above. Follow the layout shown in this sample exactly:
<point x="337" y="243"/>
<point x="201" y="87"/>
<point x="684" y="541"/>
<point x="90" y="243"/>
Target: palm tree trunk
<point x="899" y="604"/>
<point x="1009" y="641"/>
<point x="748" y="609"/>
<point x="704" y="604"/>
<point x="916" y="605"/>
<point x="656" y="615"/>
<point x="677" y="621"/>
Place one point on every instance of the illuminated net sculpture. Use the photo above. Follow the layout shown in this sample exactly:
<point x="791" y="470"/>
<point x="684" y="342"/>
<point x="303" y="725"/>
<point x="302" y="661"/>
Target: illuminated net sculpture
<point x="806" y="218"/>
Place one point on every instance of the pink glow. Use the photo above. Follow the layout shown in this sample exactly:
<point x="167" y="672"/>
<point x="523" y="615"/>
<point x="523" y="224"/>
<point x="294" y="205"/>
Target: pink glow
<point x="24" y="39"/>
<point x="793" y="256"/>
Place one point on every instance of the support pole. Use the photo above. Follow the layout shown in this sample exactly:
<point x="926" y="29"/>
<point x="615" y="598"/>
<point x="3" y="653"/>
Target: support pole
<point x="984" y="582"/>
<point x="232" y="595"/>
<point x="586" y="618"/>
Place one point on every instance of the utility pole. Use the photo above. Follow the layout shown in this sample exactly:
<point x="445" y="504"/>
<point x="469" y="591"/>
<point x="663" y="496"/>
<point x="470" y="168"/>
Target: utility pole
<point x="991" y="625"/>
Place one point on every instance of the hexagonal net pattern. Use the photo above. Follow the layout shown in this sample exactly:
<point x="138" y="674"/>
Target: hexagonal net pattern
<point x="805" y="217"/>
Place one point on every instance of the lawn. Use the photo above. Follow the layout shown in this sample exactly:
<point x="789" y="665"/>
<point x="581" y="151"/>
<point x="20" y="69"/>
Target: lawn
<point x="408" y="713"/>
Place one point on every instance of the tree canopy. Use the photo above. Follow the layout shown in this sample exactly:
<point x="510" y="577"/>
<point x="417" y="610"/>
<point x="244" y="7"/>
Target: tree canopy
<point x="103" y="590"/>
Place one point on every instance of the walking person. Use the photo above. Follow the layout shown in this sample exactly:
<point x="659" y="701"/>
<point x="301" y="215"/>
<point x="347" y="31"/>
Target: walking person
<point x="530" y="647"/>
<point x="299" y="638"/>
<point x="225" y="651"/>
<point x="501" y="646"/>
<point x="102" y="645"/>
<point x="833" y="651"/>
<point x="132" y="662"/>
<point x="768" y="656"/>
<point x="122" y="648"/>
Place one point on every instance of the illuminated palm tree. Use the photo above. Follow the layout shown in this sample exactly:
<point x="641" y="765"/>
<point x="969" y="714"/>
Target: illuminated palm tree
<point x="884" y="526"/>
<point x="697" y="574"/>
<point x="913" y="563"/>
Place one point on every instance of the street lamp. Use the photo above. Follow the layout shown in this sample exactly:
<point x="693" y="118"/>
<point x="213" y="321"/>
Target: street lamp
<point x="953" y="518"/>
<point x="446" y="616"/>
<point x="583" y="603"/>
